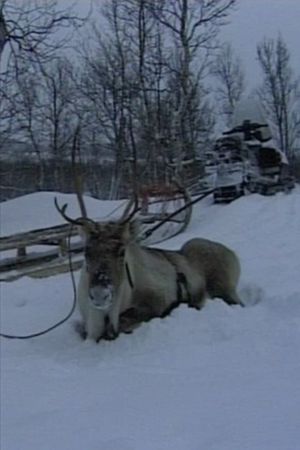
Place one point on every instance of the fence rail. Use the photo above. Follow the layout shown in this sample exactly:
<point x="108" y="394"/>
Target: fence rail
<point x="27" y="253"/>
<point x="48" y="249"/>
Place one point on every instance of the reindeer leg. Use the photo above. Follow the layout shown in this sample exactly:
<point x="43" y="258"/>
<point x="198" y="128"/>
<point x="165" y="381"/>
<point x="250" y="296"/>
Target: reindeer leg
<point x="197" y="301"/>
<point x="110" y="331"/>
<point x="130" y="320"/>
<point x="231" y="298"/>
<point x="233" y="301"/>
<point x="109" y="334"/>
<point x="133" y="317"/>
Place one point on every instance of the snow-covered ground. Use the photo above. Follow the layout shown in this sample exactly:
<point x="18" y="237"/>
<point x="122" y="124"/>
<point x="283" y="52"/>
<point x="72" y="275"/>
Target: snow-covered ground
<point x="223" y="378"/>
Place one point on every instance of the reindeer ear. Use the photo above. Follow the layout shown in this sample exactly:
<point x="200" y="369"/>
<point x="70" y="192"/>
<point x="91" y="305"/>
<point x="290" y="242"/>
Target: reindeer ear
<point x="131" y="230"/>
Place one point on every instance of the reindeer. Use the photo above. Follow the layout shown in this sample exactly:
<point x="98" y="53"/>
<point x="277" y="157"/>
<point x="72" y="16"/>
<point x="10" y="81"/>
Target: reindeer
<point x="123" y="283"/>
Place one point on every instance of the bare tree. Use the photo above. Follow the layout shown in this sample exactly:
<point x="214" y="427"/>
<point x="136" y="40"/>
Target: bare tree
<point x="146" y="136"/>
<point x="30" y="29"/>
<point x="45" y="113"/>
<point x="193" y="27"/>
<point x="279" y="92"/>
<point x="145" y="80"/>
<point x="123" y="82"/>
<point x="105" y="85"/>
<point x="7" y="110"/>
<point x="228" y="72"/>
<point x="31" y="34"/>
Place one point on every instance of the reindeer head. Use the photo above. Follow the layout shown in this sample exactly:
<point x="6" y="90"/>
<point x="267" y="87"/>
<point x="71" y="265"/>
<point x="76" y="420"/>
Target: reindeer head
<point x="105" y="246"/>
<point x="105" y="253"/>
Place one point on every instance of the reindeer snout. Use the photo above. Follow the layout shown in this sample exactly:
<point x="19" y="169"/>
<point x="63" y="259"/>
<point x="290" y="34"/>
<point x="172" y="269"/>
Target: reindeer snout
<point x="101" y="291"/>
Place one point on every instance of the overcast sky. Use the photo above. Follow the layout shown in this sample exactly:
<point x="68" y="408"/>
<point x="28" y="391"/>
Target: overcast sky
<point x="253" y="20"/>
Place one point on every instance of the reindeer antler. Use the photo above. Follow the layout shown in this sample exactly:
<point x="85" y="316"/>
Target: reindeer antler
<point x="77" y="179"/>
<point x="62" y="212"/>
<point x="90" y="224"/>
<point x="83" y="220"/>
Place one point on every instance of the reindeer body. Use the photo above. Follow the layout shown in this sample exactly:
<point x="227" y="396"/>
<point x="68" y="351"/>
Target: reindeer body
<point x="148" y="287"/>
<point x="146" y="281"/>
<point x="152" y="275"/>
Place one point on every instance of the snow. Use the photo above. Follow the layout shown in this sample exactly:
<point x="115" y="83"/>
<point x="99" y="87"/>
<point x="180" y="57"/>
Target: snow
<point x="223" y="378"/>
<point x="37" y="210"/>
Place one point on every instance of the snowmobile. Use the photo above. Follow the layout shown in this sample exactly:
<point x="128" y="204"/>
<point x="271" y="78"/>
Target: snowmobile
<point x="248" y="161"/>
<point x="229" y="179"/>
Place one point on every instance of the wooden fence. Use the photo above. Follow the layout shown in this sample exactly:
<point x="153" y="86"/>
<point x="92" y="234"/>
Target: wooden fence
<point x="40" y="251"/>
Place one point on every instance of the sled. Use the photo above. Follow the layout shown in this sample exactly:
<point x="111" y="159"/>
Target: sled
<point x="157" y="203"/>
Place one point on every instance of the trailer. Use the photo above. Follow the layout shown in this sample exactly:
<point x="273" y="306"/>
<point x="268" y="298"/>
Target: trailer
<point x="247" y="161"/>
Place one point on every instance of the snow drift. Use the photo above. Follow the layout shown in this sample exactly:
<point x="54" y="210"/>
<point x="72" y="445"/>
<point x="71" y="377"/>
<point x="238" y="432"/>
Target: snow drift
<point x="223" y="378"/>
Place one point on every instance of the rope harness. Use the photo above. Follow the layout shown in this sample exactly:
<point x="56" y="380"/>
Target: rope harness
<point x="181" y="283"/>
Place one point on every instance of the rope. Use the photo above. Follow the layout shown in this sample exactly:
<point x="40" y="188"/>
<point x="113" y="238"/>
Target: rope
<point x="116" y="209"/>
<point x="56" y="325"/>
